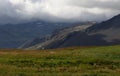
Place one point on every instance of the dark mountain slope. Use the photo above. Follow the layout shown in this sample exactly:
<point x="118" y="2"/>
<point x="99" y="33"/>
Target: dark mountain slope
<point x="7" y="39"/>
<point x="110" y="29"/>
<point x="33" y="42"/>
<point x="58" y="39"/>
<point x="111" y="23"/>
<point x="105" y="33"/>
<point x="14" y="35"/>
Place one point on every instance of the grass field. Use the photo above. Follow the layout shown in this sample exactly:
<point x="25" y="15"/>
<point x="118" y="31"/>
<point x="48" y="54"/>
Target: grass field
<point x="77" y="61"/>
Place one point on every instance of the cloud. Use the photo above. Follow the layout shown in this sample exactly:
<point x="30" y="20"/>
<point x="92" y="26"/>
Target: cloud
<point x="58" y="10"/>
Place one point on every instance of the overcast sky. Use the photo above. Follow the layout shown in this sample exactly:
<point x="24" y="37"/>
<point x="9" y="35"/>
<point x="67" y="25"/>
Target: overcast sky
<point x="58" y="10"/>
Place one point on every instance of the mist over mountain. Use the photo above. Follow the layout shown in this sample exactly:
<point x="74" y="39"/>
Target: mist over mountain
<point x="14" y="11"/>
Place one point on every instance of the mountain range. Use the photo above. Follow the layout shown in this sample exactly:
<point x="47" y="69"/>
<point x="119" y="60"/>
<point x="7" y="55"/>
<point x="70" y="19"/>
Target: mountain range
<point x="87" y="34"/>
<point x="14" y="35"/>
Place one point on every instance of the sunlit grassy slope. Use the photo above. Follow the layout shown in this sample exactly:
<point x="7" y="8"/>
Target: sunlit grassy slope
<point x="77" y="61"/>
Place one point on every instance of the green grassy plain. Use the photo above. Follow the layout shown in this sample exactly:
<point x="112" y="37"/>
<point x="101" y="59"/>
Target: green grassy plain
<point x="74" y="61"/>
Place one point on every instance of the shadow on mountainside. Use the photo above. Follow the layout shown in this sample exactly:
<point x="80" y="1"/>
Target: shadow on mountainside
<point x="79" y="39"/>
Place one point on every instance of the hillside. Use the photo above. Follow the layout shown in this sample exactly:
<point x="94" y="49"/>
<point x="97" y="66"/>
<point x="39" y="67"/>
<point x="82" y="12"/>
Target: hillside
<point x="8" y="39"/>
<point x="104" y="33"/>
<point x="74" y="61"/>
<point x="60" y="36"/>
<point x="14" y="35"/>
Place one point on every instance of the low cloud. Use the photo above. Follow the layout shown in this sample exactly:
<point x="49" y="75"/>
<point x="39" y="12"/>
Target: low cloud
<point x="58" y="10"/>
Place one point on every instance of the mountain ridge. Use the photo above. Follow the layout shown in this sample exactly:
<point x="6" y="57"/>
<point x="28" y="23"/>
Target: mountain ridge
<point x="104" y="33"/>
<point x="14" y="35"/>
<point x="63" y="34"/>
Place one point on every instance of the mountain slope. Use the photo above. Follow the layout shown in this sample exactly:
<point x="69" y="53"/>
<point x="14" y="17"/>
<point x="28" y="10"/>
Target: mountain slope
<point x="33" y="42"/>
<point x="14" y="35"/>
<point x="105" y="33"/>
<point x="7" y="39"/>
<point x="110" y="29"/>
<point x="59" y="38"/>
